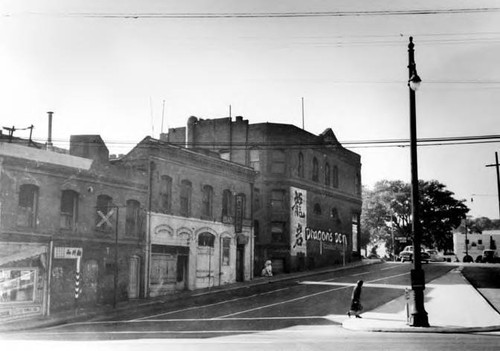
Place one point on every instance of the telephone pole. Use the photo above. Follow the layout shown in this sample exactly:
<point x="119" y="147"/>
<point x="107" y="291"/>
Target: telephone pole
<point x="496" y="165"/>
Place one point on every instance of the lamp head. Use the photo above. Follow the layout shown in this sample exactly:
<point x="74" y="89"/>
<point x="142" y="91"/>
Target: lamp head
<point x="414" y="82"/>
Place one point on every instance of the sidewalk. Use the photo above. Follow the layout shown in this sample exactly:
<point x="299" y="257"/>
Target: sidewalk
<point x="452" y="305"/>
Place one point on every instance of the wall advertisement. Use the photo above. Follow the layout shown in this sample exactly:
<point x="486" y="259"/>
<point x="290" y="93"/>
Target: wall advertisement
<point x="298" y="221"/>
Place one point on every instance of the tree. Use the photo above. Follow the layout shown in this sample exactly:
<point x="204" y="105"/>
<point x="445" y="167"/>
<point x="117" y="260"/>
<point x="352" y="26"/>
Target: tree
<point x="389" y="203"/>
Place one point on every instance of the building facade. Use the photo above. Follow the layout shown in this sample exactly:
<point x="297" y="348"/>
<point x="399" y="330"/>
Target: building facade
<point x="72" y="228"/>
<point x="200" y="220"/>
<point x="474" y="244"/>
<point x="307" y="194"/>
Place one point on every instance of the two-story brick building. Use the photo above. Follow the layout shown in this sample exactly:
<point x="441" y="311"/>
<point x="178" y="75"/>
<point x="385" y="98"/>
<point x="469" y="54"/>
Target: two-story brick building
<point x="71" y="227"/>
<point x="307" y="194"/>
<point x="200" y="227"/>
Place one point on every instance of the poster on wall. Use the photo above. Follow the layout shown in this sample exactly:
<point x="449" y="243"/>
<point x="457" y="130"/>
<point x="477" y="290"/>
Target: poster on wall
<point x="298" y="221"/>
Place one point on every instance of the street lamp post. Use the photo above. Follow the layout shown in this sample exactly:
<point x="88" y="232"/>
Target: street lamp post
<point x="419" y="315"/>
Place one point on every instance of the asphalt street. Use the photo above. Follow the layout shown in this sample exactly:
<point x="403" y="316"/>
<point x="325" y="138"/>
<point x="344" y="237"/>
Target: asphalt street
<point x="316" y="300"/>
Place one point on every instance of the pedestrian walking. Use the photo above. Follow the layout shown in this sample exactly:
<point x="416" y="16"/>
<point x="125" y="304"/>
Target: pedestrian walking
<point x="356" y="306"/>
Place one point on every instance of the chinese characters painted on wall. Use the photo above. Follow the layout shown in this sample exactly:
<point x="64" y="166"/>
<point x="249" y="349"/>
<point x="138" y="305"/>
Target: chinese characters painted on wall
<point x="298" y="220"/>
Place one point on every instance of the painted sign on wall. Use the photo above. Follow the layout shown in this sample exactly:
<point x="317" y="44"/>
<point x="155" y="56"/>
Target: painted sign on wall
<point x="298" y="221"/>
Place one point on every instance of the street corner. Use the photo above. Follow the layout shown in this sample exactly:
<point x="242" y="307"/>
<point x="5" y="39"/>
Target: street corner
<point x="393" y="323"/>
<point x="376" y="322"/>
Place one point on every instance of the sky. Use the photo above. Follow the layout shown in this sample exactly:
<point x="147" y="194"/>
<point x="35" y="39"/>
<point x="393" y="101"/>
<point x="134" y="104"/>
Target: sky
<point x="127" y="69"/>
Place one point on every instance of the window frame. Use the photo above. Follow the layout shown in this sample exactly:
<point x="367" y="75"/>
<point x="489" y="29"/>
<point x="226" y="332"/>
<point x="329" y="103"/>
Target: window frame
<point x="132" y="217"/>
<point x="165" y="194"/>
<point x="185" y="198"/>
<point x="69" y="217"/>
<point x="27" y="204"/>
<point x="315" y="169"/>
<point x="207" y="201"/>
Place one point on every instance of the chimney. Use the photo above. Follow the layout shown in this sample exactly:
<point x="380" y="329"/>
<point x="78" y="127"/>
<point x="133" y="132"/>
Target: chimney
<point x="49" y="139"/>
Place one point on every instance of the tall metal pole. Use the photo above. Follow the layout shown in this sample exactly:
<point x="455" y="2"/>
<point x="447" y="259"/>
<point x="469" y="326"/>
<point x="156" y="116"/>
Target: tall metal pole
<point x="115" y="280"/>
<point x="498" y="177"/>
<point x="419" y="315"/>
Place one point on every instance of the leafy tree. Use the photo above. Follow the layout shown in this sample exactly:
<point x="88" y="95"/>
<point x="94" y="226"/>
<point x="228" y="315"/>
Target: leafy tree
<point x="389" y="203"/>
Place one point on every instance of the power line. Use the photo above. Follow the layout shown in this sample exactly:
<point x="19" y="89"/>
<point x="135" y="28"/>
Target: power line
<point x="218" y="15"/>
<point x="436" y="141"/>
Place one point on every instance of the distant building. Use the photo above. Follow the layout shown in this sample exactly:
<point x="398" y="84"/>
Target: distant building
<point x="63" y="214"/>
<point x="476" y="243"/>
<point x="307" y="195"/>
<point x="200" y="230"/>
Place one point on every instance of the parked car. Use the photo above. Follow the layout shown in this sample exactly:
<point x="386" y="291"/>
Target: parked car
<point x="490" y="256"/>
<point x="450" y="256"/>
<point x="407" y="255"/>
<point x="435" y="256"/>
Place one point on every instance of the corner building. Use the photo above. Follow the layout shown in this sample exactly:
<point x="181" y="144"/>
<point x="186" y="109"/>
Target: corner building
<point x="200" y="228"/>
<point x="71" y="228"/>
<point x="307" y="194"/>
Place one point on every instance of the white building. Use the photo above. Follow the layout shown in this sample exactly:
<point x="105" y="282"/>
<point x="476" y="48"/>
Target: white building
<point x="476" y="243"/>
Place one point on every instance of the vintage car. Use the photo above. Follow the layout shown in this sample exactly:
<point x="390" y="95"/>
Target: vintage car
<point x="407" y="255"/>
<point x="435" y="256"/>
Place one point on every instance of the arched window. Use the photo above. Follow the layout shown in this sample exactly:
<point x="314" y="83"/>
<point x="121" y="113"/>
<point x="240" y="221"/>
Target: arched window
<point x="206" y="239"/>
<point x="207" y="200"/>
<point x="335" y="176"/>
<point x="132" y="217"/>
<point x="227" y="203"/>
<point x="27" y="206"/>
<point x="327" y="174"/>
<point x="300" y="169"/>
<point x="69" y="209"/>
<point x="226" y="250"/>
<point x="315" y="175"/>
<point x="185" y="198"/>
<point x="165" y="194"/>
<point x="317" y="209"/>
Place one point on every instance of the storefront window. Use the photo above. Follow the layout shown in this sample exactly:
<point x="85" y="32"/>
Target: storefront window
<point x="17" y="284"/>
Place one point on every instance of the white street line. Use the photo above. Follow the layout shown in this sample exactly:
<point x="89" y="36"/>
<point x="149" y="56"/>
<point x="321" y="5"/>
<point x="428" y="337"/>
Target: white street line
<point x="209" y="305"/>
<point x="281" y="302"/>
<point x="355" y="275"/>
<point x="392" y="267"/>
<point x="365" y="285"/>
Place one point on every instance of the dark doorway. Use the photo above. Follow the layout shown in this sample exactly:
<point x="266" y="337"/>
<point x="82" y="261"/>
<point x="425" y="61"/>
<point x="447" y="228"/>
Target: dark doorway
<point x="240" y="263"/>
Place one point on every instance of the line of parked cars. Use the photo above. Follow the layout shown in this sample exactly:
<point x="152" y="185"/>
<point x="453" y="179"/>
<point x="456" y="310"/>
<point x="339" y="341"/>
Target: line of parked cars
<point x="433" y="255"/>
<point x="427" y="256"/>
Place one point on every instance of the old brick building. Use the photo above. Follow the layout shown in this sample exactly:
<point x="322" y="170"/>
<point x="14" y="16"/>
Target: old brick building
<point x="63" y="214"/>
<point x="200" y="228"/>
<point x="307" y="194"/>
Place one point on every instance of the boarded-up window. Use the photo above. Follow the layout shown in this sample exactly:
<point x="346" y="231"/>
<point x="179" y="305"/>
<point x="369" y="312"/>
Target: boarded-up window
<point x="105" y="215"/>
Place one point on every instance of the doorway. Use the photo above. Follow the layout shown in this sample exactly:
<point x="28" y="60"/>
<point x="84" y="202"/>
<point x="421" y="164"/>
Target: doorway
<point x="133" y="282"/>
<point x="240" y="263"/>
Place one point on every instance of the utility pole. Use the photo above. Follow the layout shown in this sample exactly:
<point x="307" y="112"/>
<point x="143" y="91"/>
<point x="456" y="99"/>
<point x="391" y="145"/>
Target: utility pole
<point x="496" y="165"/>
